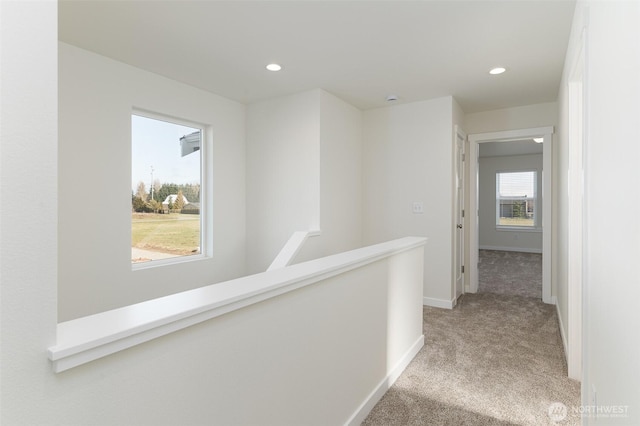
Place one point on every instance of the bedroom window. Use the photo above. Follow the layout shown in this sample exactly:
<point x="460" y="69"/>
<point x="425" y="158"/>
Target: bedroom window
<point x="166" y="165"/>
<point x="516" y="199"/>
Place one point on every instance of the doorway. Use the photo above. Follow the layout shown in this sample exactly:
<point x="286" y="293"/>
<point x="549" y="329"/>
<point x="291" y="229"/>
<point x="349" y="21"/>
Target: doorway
<point x="510" y="218"/>
<point x="546" y="134"/>
<point x="458" y="240"/>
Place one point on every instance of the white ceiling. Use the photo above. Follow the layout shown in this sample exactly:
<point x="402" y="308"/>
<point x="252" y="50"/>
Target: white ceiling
<point x="360" y="50"/>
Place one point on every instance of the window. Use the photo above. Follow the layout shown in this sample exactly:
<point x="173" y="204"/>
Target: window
<point x="165" y="188"/>
<point x="516" y="199"/>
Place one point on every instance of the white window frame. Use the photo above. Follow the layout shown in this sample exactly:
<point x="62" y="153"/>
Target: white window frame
<point x="205" y="176"/>
<point x="520" y="228"/>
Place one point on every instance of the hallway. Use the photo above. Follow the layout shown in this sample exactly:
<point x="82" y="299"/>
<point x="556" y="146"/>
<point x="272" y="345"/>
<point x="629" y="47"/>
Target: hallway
<point x="510" y="273"/>
<point x="492" y="360"/>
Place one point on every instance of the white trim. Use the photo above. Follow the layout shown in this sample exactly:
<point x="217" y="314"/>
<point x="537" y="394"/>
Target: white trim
<point x="439" y="303"/>
<point x="510" y="135"/>
<point x="370" y="401"/>
<point x="577" y="211"/>
<point x="547" y="215"/>
<point x="88" y="338"/>
<point x="547" y="198"/>
<point x="561" y="325"/>
<point x="502" y="228"/>
<point x="457" y="210"/>
<point x="518" y="249"/>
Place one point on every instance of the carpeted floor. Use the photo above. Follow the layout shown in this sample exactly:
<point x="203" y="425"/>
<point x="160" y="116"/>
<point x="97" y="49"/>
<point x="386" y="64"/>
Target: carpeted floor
<point x="510" y="272"/>
<point x="492" y="360"/>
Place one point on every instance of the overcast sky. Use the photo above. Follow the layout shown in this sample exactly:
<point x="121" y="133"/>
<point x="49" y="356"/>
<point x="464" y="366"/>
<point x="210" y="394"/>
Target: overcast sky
<point x="157" y="143"/>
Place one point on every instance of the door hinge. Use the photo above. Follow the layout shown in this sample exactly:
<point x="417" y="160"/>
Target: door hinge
<point x="463" y="269"/>
<point x="462" y="212"/>
<point x="463" y="157"/>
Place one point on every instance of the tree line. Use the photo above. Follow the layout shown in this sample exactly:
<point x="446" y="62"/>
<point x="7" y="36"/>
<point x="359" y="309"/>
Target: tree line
<point x="143" y="200"/>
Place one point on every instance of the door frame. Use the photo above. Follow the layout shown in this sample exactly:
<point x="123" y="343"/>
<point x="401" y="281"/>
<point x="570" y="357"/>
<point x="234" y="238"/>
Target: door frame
<point x="577" y="213"/>
<point x="459" y="177"/>
<point x="547" y="176"/>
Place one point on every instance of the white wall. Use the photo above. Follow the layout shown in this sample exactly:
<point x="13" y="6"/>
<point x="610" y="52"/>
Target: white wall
<point x="458" y="116"/>
<point x="490" y="237"/>
<point x="407" y="157"/>
<point x="612" y="286"/>
<point x="28" y="237"/>
<point x="303" y="173"/>
<point x="340" y="180"/>
<point x="97" y="95"/>
<point x="522" y="117"/>
<point x="283" y="173"/>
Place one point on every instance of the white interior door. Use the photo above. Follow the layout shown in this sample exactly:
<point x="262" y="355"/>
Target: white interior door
<point x="459" y="213"/>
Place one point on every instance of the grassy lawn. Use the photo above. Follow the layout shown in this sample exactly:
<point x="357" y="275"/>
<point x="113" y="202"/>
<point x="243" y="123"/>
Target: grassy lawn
<point x="173" y="233"/>
<point x="516" y="221"/>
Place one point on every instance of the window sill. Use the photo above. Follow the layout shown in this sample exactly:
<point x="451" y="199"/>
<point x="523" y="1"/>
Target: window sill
<point x="89" y="338"/>
<point x="169" y="261"/>
<point x="518" y="229"/>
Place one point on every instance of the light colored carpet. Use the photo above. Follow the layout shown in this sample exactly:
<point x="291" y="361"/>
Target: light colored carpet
<point x="492" y="360"/>
<point x="510" y="272"/>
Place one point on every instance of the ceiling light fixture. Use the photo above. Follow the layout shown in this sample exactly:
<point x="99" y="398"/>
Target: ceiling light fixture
<point x="391" y="98"/>
<point x="274" y="67"/>
<point x="538" y="140"/>
<point x="497" y="70"/>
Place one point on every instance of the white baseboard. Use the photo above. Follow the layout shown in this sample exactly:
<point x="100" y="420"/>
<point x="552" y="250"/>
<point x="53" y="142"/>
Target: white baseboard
<point x="520" y="249"/>
<point x="367" y="405"/>
<point x="562" y="335"/>
<point x="439" y="303"/>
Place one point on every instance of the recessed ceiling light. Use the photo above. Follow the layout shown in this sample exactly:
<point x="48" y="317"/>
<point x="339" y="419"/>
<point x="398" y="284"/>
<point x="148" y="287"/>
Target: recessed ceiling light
<point x="274" y="67"/>
<point x="538" y="140"/>
<point x="497" y="70"/>
<point x="392" y="98"/>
